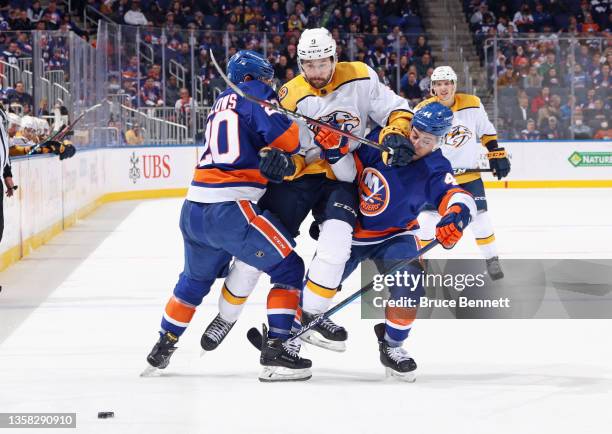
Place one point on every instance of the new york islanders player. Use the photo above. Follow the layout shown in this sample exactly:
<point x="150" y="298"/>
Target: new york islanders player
<point x="245" y="145"/>
<point x="470" y="126"/>
<point x="392" y="189"/>
<point x="345" y="94"/>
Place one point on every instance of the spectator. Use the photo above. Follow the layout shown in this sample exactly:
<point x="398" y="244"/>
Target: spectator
<point x="35" y="12"/>
<point x="540" y="100"/>
<point x="551" y="79"/>
<point x="602" y="80"/>
<point x="580" y="79"/>
<point x="21" y="97"/>
<point x="530" y="133"/>
<point x="411" y="89"/>
<point x="172" y="91"/>
<point x="425" y="83"/>
<point x="134" y="16"/>
<point x="519" y="113"/>
<point x="604" y="132"/>
<point x="532" y="79"/>
<point x="579" y="129"/>
<point x="150" y="95"/>
<point x="551" y="108"/>
<point x="421" y="47"/>
<point x="597" y="114"/>
<point x="509" y="79"/>
<point x="552" y="130"/>
<point x="551" y="63"/>
<point x="183" y="106"/>
<point x="133" y="136"/>
<point x="423" y="64"/>
<point x="523" y="19"/>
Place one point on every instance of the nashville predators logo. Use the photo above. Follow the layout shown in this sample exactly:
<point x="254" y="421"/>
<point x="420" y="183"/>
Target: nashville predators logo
<point x="342" y="118"/>
<point x="458" y="136"/>
<point x="373" y="192"/>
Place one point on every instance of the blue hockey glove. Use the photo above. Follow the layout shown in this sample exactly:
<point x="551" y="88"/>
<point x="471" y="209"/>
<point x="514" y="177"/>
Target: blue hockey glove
<point x="274" y="164"/>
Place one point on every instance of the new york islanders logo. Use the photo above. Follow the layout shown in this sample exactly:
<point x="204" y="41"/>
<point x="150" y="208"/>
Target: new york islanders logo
<point x="373" y="192"/>
<point x="458" y="136"/>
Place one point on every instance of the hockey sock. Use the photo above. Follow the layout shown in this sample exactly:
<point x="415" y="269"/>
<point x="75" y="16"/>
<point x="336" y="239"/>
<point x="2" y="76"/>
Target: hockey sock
<point x="398" y="323"/>
<point x="282" y="309"/>
<point x="317" y="298"/>
<point x="482" y="228"/>
<point x="177" y="316"/>
<point x="427" y="227"/>
<point x="239" y="284"/>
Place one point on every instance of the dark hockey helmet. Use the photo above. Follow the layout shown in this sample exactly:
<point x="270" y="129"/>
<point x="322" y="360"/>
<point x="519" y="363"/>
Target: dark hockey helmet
<point x="251" y="63"/>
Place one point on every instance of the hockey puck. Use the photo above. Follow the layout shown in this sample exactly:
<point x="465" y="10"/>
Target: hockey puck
<point x="105" y="414"/>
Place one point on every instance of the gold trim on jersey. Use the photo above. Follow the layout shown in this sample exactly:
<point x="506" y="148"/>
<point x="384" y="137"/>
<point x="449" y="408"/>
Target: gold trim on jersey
<point x="487" y="138"/>
<point x="315" y="167"/>
<point x="462" y="101"/>
<point x="467" y="177"/>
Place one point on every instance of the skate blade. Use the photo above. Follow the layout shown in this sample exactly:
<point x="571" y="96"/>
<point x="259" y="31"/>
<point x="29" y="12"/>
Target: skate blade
<point x="321" y="342"/>
<point x="270" y="374"/>
<point x="150" y="371"/>
<point x="408" y="377"/>
<point x="203" y="353"/>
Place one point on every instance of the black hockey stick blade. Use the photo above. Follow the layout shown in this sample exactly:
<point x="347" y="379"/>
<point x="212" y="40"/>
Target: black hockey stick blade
<point x="297" y="116"/>
<point x="255" y="338"/>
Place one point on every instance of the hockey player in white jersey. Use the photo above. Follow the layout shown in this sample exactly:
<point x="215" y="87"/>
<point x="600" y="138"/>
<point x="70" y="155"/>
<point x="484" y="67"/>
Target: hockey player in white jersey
<point x="471" y="125"/>
<point x="346" y="94"/>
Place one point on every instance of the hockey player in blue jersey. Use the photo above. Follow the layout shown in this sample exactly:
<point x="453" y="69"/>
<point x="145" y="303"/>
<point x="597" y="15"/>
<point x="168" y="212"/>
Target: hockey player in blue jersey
<point x="245" y="146"/>
<point x="392" y="190"/>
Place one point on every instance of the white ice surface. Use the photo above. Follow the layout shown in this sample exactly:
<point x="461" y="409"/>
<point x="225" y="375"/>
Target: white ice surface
<point x="79" y="315"/>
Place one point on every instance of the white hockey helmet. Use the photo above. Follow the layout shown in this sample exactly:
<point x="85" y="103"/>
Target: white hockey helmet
<point x="444" y="73"/>
<point x="13" y="119"/>
<point x="316" y="44"/>
<point x="28" y="123"/>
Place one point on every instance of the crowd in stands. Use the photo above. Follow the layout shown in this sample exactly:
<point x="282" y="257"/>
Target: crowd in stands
<point x="533" y="76"/>
<point x="386" y="35"/>
<point x="550" y="65"/>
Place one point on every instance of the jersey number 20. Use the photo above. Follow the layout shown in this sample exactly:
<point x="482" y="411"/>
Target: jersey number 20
<point x="228" y="142"/>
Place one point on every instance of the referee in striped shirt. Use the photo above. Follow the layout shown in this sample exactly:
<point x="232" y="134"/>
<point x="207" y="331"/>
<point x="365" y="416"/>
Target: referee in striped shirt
<point x="5" y="166"/>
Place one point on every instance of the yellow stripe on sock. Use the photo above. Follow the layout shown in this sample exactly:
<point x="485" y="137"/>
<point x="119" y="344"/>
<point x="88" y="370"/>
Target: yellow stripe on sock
<point x="485" y="241"/>
<point x="321" y="290"/>
<point x="231" y="298"/>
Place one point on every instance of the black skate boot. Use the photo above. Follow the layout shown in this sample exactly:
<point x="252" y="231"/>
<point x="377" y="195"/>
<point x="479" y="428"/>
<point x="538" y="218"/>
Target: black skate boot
<point x="396" y="360"/>
<point x="159" y="357"/>
<point x="494" y="269"/>
<point x="281" y="360"/>
<point x="327" y="334"/>
<point x="214" y="334"/>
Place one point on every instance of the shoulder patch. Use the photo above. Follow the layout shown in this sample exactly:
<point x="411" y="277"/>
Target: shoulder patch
<point x="293" y="92"/>
<point x="464" y="101"/>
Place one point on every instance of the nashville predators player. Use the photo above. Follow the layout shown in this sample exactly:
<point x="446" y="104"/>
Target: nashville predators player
<point x="345" y="94"/>
<point x="471" y="125"/>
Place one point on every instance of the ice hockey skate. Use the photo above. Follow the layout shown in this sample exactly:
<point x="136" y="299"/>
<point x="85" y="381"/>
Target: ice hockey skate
<point x="396" y="360"/>
<point x="494" y="268"/>
<point x="159" y="357"/>
<point x="281" y="361"/>
<point x="214" y="334"/>
<point x="326" y="334"/>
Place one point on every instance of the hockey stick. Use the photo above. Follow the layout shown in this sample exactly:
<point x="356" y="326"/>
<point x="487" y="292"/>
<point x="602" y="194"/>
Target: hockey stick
<point x="462" y="171"/>
<point x="59" y="135"/>
<point x="254" y="336"/>
<point x="297" y="116"/>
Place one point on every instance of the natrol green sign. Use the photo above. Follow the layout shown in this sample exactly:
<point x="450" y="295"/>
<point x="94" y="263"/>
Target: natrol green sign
<point x="592" y="159"/>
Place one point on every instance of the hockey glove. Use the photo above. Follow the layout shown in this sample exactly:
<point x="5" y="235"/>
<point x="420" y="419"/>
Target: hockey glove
<point x="499" y="163"/>
<point x="333" y="145"/>
<point x="403" y="149"/>
<point x="450" y="228"/>
<point x="274" y="164"/>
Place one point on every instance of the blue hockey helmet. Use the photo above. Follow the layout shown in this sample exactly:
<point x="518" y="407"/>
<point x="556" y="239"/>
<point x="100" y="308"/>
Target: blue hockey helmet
<point x="433" y="118"/>
<point x="251" y="63"/>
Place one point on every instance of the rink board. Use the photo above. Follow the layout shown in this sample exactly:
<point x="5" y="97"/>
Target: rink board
<point x="53" y="194"/>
